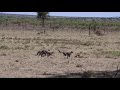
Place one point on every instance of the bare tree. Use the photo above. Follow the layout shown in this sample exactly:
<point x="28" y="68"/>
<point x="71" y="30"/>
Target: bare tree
<point x="92" y="25"/>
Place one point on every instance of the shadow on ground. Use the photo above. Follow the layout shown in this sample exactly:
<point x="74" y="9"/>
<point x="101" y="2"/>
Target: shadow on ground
<point x="89" y="74"/>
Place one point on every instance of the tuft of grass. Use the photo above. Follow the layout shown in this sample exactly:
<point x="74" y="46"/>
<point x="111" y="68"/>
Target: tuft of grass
<point x="26" y="41"/>
<point x="99" y="33"/>
<point x="78" y="66"/>
<point x="88" y="43"/>
<point x="4" y="47"/>
<point x="115" y="53"/>
<point x="87" y="74"/>
<point x="110" y="54"/>
<point x="3" y="54"/>
<point x="26" y="47"/>
<point x="18" y="48"/>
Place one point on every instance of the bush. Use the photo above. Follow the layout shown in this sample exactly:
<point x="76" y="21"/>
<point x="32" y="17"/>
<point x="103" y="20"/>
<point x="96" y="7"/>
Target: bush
<point x="87" y="74"/>
<point x="99" y="33"/>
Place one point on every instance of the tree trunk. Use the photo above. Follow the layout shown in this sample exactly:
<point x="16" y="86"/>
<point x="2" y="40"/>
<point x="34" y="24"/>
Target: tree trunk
<point x="43" y="22"/>
<point x="89" y="29"/>
<point x="94" y="28"/>
<point x="44" y="30"/>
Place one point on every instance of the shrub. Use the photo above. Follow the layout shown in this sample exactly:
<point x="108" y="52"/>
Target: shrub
<point x="87" y="74"/>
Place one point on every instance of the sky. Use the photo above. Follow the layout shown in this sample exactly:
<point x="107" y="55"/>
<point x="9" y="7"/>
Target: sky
<point x="75" y="14"/>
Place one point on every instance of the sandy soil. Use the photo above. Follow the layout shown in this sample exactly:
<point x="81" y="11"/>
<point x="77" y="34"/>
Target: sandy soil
<point x="18" y="51"/>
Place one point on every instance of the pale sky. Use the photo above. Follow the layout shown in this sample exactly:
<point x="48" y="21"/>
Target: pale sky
<point x="76" y="14"/>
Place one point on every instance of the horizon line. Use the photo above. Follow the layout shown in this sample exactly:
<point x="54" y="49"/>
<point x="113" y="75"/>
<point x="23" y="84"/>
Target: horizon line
<point x="63" y="16"/>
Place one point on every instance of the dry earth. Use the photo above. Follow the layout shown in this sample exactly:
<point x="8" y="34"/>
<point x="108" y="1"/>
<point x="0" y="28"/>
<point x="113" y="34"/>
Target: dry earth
<point x="18" y="49"/>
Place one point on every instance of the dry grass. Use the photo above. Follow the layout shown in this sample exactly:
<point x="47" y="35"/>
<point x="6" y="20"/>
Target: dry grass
<point x="18" y="49"/>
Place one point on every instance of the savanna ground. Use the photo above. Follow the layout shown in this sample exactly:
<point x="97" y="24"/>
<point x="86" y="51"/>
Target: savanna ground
<point x="18" y="51"/>
<point x="99" y="56"/>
